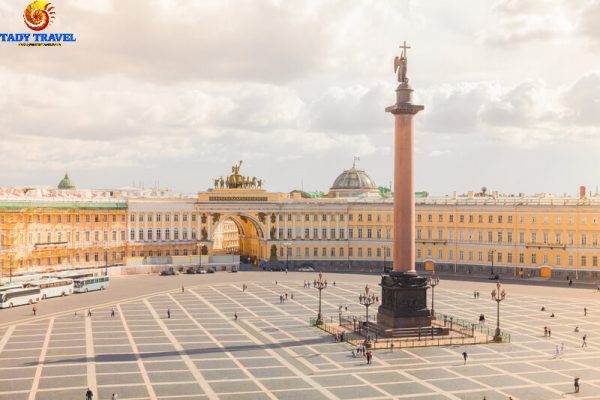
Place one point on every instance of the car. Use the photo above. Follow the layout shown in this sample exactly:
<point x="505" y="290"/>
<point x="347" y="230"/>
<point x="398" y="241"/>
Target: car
<point x="494" y="277"/>
<point x="191" y="271"/>
<point x="306" y="269"/>
<point x="234" y="269"/>
<point x="200" y="270"/>
<point x="211" y="271"/>
<point x="168" y="272"/>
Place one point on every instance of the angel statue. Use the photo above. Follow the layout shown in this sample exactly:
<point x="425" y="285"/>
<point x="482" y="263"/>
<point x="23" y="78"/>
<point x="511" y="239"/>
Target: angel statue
<point x="400" y="64"/>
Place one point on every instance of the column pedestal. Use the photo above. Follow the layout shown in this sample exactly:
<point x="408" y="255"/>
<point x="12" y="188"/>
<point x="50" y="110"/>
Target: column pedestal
<point x="403" y="301"/>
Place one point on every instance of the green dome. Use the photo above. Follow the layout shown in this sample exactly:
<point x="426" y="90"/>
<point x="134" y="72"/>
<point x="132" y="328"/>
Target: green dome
<point x="66" y="183"/>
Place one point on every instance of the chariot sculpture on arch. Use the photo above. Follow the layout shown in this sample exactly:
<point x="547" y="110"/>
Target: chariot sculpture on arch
<point x="237" y="181"/>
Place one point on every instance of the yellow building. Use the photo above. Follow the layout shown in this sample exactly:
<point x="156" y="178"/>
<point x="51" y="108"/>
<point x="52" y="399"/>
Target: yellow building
<point x="349" y="228"/>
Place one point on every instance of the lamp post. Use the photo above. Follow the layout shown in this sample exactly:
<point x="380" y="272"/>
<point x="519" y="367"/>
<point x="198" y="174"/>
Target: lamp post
<point x="320" y="284"/>
<point x="491" y="254"/>
<point x="287" y="246"/>
<point x="384" y="257"/>
<point x="340" y="313"/>
<point x="498" y="296"/>
<point x="106" y="261"/>
<point x="367" y="299"/>
<point x="199" y="254"/>
<point x="433" y="282"/>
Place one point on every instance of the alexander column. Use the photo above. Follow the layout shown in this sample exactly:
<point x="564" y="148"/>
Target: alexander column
<point x="404" y="292"/>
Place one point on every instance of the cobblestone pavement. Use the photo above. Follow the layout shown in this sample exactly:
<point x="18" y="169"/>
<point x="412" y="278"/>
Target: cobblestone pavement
<point x="270" y="352"/>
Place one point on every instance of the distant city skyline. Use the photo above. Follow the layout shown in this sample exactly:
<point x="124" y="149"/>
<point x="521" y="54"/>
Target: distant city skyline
<point x="170" y="93"/>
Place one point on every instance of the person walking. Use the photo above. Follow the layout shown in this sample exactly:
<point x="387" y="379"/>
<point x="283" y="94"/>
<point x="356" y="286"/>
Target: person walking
<point x="292" y="295"/>
<point x="545" y="331"/>
<point x="182" y="289"/>
<point x="557" y="352"/>
<point x="168" y="313"/>
<point x="464" y="354"/>
<point x="584" y="343"/>
<point x="235" y="316"/>
<point x="549" y="332"/>
<point x="576" y="384"/>
<point x="369" y="357"/>
<point x="34" y="309"/>
<point x="474" y="294"/>
<point x="89" y="313"/>
<point x="585" y="311"/>
<point x="89" y="395"/>
<point x="114" y="397"/>
<point x="392" y="346"/>
<point x="112" y="312"/>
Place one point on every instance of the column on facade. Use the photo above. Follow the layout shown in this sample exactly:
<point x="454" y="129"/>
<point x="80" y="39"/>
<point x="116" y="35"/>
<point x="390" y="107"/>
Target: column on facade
<point x="285" y="226"/>
<point x="337" y="226"/>
<point x="293" y="226"/>
<point x="277" y="227"/>
<point x="209" y="226"/>
<point x="320" y="232"/>
<point x="172" y="226"/>
<point x="303" y="233"/>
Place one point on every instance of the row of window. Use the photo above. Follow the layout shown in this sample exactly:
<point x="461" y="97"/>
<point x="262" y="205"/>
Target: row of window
<point x="533" y="257"/>
<point x="78" y="258"/>
<point x="68" y="218"/>
<point x="490" y="219"/>
<point x="545" y="237"/>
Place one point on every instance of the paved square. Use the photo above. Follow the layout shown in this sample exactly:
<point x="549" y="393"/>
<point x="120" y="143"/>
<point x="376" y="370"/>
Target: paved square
<point x="270" y="352"/>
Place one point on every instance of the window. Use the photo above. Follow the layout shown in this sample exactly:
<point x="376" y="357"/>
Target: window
<point x="461" y="218"/>
<point x="557" y="238"/>
<point x="316" y="252"/>
<point x="558" y="259"/>
<point x="379" y="233"/>
<point x="360" y="252"/>
<point x="369" y="233"/>
<point x="158" y="217"/>
<point x="451" y="218"/>
<point x="167" y="234"/>
<point x="341" y="252"/>
<point x="583" y="239"/>
<point x="350" y="252"/>
<point x="510" y="219"/>
<point x="440" y="234"/>
<point x="545" y="259"/>
<point x="480" y="256"/>
<point x="534" y="258"/>
<point x="307" y="217"/>
<point x="570" y="260"/>
<point x="306" y="233"/>
<point x="470" y="219"/>
<point x="419" y="255"/>
<point x="480" y="219"/>
<point x="175" y="233"/>
<point x="306" y="252"/>
<point x="450" y="254"/>
<point x="140" y="234"/>
<point x="490" y="219"/>
<point x="332" y="252"/>
<point x="509" y="258"/>
<point x="499" y="257"/>
<point x="490" y="236"/>
<point x="533" y="219"/>
<point x="499" y="219"/>
<point x="140" y="217"/>
<point x="440" y="218"/>
<point x="521" y="237"/>
<point x="419" y="233"/>
<point x="521" y="258"/>
<point x="184" y="234"/>
<point x="418" y="217"/>
<point x="461" y="255"/>
<point x="158" y="234"/>
<point x="360" y="233"/>
<point x="315" y="233"/>
<point x="149" y="217"/>
<point x="509" y="237"/>
<point x="324" y="233"/>
<point x="583" y="261"/>
<point x="499" y="237"/>
<point x="545" y="237"/>
<point x="185" y="217"/>
<point x="167" y="217"/>
<point x="594" y="261"/>
<point x="175" y="217"/>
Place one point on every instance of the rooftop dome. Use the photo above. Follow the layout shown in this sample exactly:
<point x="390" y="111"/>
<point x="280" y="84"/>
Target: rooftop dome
<point x="66" y="183"/>
<point x="353" y="182"/>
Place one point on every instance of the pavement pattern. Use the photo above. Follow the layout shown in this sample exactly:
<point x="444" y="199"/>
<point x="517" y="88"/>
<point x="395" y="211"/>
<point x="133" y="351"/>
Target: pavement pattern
<point x="271" y="352"/>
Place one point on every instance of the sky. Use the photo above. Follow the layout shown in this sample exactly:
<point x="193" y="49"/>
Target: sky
<point x="175" y="92"/>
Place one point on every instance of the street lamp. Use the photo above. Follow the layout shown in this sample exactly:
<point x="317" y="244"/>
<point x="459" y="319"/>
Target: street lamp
<point x="106" y="261"/>
<point x="340" y="313"/>
<point x="384" y="258"/>
<point x="287" y="246"/>
<point x="367" y="300"/>
<point x="433" y="282"/>
<point x="320" y="284"/>
<point x="498" y="296"/>
<point x="491" y="255"/>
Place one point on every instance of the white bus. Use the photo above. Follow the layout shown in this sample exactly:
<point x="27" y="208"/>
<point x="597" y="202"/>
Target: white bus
<point x="10" y="286"/>
<point x="19" y="297"/>
<point x="85" y="285"/>
<point x="53" y="287"/>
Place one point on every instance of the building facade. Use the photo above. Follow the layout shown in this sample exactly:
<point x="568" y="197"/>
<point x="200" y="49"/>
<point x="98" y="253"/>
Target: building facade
<point x="349" y="228"/>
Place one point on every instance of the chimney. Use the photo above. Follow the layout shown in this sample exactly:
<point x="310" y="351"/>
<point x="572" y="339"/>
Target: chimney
<point x="581" y="192"/>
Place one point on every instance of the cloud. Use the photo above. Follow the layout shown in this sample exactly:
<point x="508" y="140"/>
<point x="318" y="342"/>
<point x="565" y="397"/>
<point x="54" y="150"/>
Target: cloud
<point x="438" y="153"/>
<point x="582" y="101"/>
<point x="520" y="22"/>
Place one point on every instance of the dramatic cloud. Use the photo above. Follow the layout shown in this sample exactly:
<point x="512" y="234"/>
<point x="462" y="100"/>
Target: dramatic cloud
<point x="177" y="90"/>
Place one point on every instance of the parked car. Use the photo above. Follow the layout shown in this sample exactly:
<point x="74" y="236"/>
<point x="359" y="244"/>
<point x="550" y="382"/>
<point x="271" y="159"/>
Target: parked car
<point x="234" y="269"/>
<point x="168" y="272"/>
<point x="211" y="271"/>
<point x="306" y="269"/>
<point x="200" y="270"/>
<point x="191" y="270"/>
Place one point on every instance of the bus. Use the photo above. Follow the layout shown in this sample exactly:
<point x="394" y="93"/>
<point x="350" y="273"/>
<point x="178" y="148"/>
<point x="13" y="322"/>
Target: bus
<point x="10" y="286"/>
<point x="53" y="287"/>
<point x="20" y="296"/>
<point x="76" y="274"/>
<point x="85" y="285"/>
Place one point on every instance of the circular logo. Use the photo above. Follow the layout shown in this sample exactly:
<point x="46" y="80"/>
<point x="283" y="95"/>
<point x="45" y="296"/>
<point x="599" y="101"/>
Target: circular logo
<point x="38" y="15"/>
